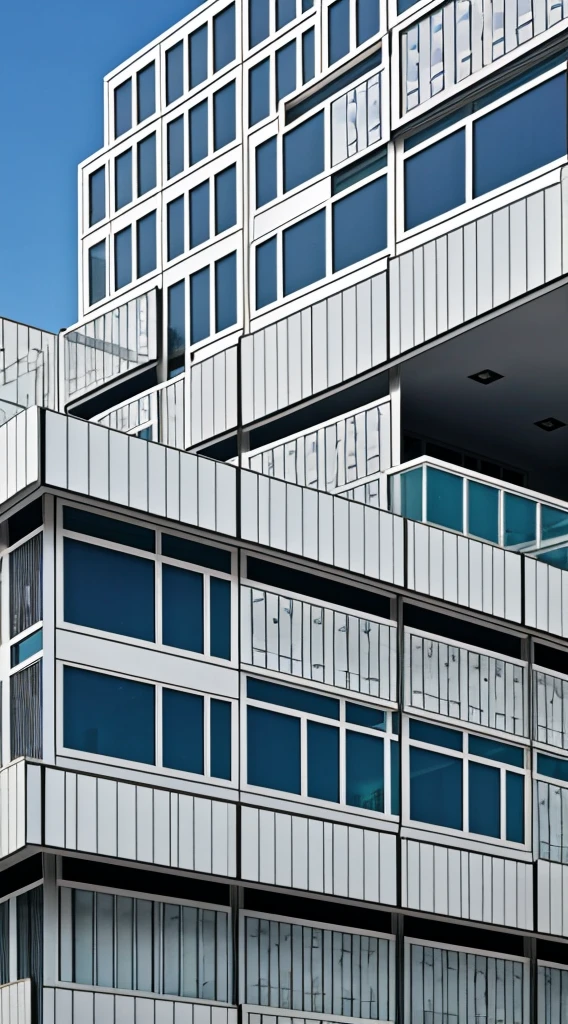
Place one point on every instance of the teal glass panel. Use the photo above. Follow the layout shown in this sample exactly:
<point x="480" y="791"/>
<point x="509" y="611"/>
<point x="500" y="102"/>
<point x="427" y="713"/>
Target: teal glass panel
<point x="436" y="788"/>
<point x="411" y="494"/>
<point x="558" y="557"/>
<point x="437" y="735"/>
<point x="444" y="499"/>
<point x="520" y="520"/>
<point x="26" y="648"/>
<point x="483" y="511"/>
<point x="365" y="776"/>
<point x="494" y="750"/>
<point x="554" y="523"/>
<point x="515" y="808"/>
<point x="484" y="800"/>
<point x="395" y="777"/>
<point x="323" y="762"/>
<point x="554" y="767"/>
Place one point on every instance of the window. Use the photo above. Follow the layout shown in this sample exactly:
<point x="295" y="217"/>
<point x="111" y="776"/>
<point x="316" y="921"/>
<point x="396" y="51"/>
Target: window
<point x="285" y="12"/>
<point x="483" y="511"/>
<point x="259" y="21"/>
<point x="146" y="92"/>
<point x="225" y="199"/>
<point x="338" y="30"/>
<point x="308" y="56"/>
<point x="183" y="734"/>
<point x="199" y="214"/>
<point x="285" y="70"/>
<point x="451" y="770"/>
<point x="303" y="152"/>
<point x="302" y="749"/>
<point x="174" y="73"/>
<point x="175" y="147"/>
<point x="434" y="180"/>
<point x="123" y="180"/>
<point x="360" y="224"/>
<point x="176" y="328"/>
<point x="259" y="92"/>
<point x="266" y="284"/>
<point x="304" y="252"/>
<point x="103" y="714"/>
<point x="182" y="608"/>
<point x="198" y="128"/>
<point x="198" y="50"/>
<point x="226" y="292"/>
<point x="97" y="272"/>
<point x="120" y="596"/>
<point x="224" y="38"/>
<point x="147" y="164"/>
<point x="97" y="196"/>
<point x="199" y="305"/>
<point x="367" y="20"/>
<point x="224" y="116"/>
<point x="520" y="520"/>
<point x="26" y="648"/>
<point x="117" y="531"/>
<point x="445" y="499"/>
<point x="146" y="244"/>
<point x="123" y="108"/>
<point x="176" y="227"/>
<point x="265" y="164"/>
<point x="123" y="258"/>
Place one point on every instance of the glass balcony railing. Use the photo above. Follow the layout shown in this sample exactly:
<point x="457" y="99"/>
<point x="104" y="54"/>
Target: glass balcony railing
<point x="431" y="492"/>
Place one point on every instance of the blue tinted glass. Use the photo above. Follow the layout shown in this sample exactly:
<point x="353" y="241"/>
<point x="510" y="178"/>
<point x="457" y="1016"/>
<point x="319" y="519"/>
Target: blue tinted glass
<point x="484" y="800"/>
<point x="220" y="618"/>
<point x="199" y="306"/>
<point x="290" y="697"/>
<point x="120" y="594"/>
<point x="220" y="739"/>
<point x="259" y="21"/>
<point x="146" y="90"/>
<point x="26" y="648"/>
<point x="259" y="92"/>
<point x="226" y="292"/>
<point x="308" y="56"/>
<point x="338" y="30"/>
<point x="182" y="608"/>
<point x="285" y="12"/>
<point x="323" y="762"/>
<point x="395" y="777"/>
<point x="175" y="147"/>
<point x="367" y="20"/>
<point x="304" y="252"/>
<point x="182" y="731"/>
<point x="436" y="788"/>
<point x="333" y="86"/>
<point x="365" y="772"/>
<point x="444" y="498"/>
<point x="559" y="558"/>
<point x="273" y="750"/>
<point x="123" y="108"/>
<point x="123" y="179"/>
<point x="502" y="150"/>
<point x="146" y="244"/>
<point x="97" y="201"/>
<point x="224" y="116"/>
<point x="174" y="73"/>
<point x="176" y="228"/>
<point x="304" y="152"/>
<point x="435" y="734"/>
<point x="554" y="767"/>
<point x="554" y="523"/>
<point x="199" y="214"/>
<point x="97" y="272"/>
<point x="96" y="708"/>
<point x="411" y="494"/>
<point x="116" y="530"/>
<point x="147" y="164"/>
<point x="285" y="70"/>
<point x="196" y="553"/>
<point x="266" y="285"/>
<point x="360" y="224"/>
<point x="483" y="511"/>
<point x="515" y="808"/>
<point x="198" y="127"/>
<point x="266" y="172"/>
<point x="434" y="180"/>
<point x="224" y="38"/>
<point x="176" y="320"/>
<point x="358" y="714"/>
<point x="225" y="199"/>
<point x="404" y="5"/>
<point x="496" y="751"/>
<point x="520" y="520"/>
<point x="198" y="57"/>
<point x="358" y="171"/>
<point x="307" y="5"/>
<point x="123" y="258"/>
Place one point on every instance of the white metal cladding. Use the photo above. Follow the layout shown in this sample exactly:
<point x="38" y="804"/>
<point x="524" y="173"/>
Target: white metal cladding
<point x="333" y="454"/>
<point x="20" y="806"/>
<point x="474" y="686"/>
<point x="314" y="349"/>
<point x="356" y="119"/>
<point x="465" y="985"/>
<point x="95" y="815"/>
<point x="464" y="571"/>
<point x="28" y="368"/>
<point x="213" y="395"/>
<point x="63" y="1005"/>
<point x="171" y="414"/>
<point x="552" y="994"/>
<point x="469" y="271"/>
<point x="130" y="415"/>
<point x="546" y="597"/>
<point x="318" y="969"/>
<point x="92" y="460"/>
<point x="16" y="1002"/>
<point x="550" y="708"/>
<point x="551" y="821"/>
<point x="297" y="852"/>
<point x="458" y="883"/>
<point x="19" y="453"/>
<point x="368" y="493"/>
<point x="552" y="898"/>
<point x="322" y="527"/>
<point x="455" y="41"/>
<point x="317" y="642"/>
<point x="161" y="410"/>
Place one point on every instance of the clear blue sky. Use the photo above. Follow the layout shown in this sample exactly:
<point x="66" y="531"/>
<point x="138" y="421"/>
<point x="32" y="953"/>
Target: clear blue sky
<point x="55" y="54"/>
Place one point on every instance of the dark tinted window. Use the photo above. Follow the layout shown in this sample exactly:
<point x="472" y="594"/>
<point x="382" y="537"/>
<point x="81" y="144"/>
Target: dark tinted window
<point x="96" y="708"/>
<point x="146" y="244"/>
<point x="360" y="224"/>
<point x="199" y="305"/>
<point x="323" y="761"/>
<point x="123" y="258"/>
<point x="123" y="605"/>
<point x="265" y="157"/>
<point x="123" y="179"/>
<point x="273" y="750"/>
<point x="259" y="92"/>
<point x="226" y="292"/>
<point x="199" y="214"/>
<point x="224" y="38"/>
<point x="308" y="56"/>
<point x="304" y="152"/>
<point x="225" y="199"/>
<point x="285" y="70"/>
<point x="266" y="285"/>
<point x="198" y="554"/>
<point x="434" y="180"/>
<point x="176" y="325"/>
<point x="176" y="227"/>
<point x="123" y="108"/>
<point x="182" y="731"/>
<point x="146" y="92"/>
<point x="116" y="530"/>
<point x="182" y="608"/>
<point x="304" y="252"/>
<point x="436" y="788"/>
<point x="338" y="30"/>
<point x="285" y="12"/>
<point x="259" y="21"/>
<point x="174" y="73"/>
<point x="224" y="116"/>
<point x="147" y="164"/>
<point x="220" y="739"/>
<point x="367" y="20"/>
<point x="198" y="141"/>
<point x="291" y="697"/>
<point x="97" y="198"/>
<point x="198" y="57"/>
<point x="175" y="147"/>
<point x="220" y="618"/>
<point x="97" y="272"/>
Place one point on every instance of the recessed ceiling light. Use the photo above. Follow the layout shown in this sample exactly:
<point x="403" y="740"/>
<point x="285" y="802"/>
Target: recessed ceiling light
<point x="549" y="424"/>
<point x="486" y="376"/>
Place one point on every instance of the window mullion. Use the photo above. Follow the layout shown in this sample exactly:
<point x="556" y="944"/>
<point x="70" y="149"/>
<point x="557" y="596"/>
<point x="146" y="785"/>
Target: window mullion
<point x="304" y="755"/>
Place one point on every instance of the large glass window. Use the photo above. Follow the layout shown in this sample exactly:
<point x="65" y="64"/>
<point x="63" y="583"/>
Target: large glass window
<point x="147" y="164"/>
<point x="224" y="116"/>
<point x="146" y="92"/>
<point x="182" y="608"/>
<point x="198" y="129"/>
<point x="224" y="38"/>
<point x="108" y="715"/>
<point x="146" y="244"/>
<point x="97" y="196"/>
<point x="182" y="725"/>
<point x="265" y="166"/>
<point x="483" y="511"/>
<point x="123" y="179"/>
<point x="259" y="21"/>
<point x="338" y="30"/>
<point x="308" y="56"/>
<point x="304" y="252"/>
<point x="360" y="224"/>
<point x="97" y="272"/>
<point x="266" y="278"/>
<point x="285" y="70"/>
<point x="174" y="73"/>
<point x="176" y="227"/>
<point x="123" y="258"/>
<point x="520" y="520"/>
<point x="199" y="305"/>
<point x="176" y="327"/>
<point x="199" y="214"/>
<point x="434" y="180"/>
<point x="444" y="504"/>
<point x="259" y="92"/>
<point x="225" y="199"/>
<point x="285" y="12"/>
<point x="367" y="20"/>
<point x="226" y="292"/>
<point x="175" y="147"/>
<point x="120" y="595"/>
<point x="198" y="57"/>
<point x="123" y="108"/>
<point x="303" y="150"/>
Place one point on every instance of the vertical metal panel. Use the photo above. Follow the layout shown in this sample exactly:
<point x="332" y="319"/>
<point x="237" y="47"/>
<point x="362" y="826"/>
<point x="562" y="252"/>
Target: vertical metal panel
<point x="67" y="1006"/>
<point x="551" y="821"/>
<point x="16" y="1002"/>
<point x="356" y="119"/>
<point x="19" y="453"/>
<point x="26" y="712"/>
<point x="552" y="994"/>
<point x="552" y="898"/>
<point x="546" y="597"/>
<point x="13" y="817"/>
<point x="550" y="694"/>
<point x="213" y="395"/>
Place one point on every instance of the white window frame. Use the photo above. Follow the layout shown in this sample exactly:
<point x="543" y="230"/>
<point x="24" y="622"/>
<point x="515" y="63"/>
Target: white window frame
<point x="275" y="35"/>
<point x="354" y="49"/>
<point x="183" y="108"/>
<point x="285" y="37"/>
<point x="115" y="81"/>
<point x="136" y="212"/>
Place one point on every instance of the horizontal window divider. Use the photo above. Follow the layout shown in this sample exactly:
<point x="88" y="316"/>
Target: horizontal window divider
<point x="451" y="722"/>
<point x="326" y="689"/>
<point x="145" y="776"/>
<point x="304" y="807"/>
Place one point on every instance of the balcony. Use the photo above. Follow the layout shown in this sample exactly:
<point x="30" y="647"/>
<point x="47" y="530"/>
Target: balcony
<point x="155" y="415"/>
<point x="16" y="1002"/>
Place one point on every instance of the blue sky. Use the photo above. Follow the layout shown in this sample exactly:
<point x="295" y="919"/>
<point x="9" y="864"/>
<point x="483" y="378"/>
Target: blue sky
<point x="54" y="57"/>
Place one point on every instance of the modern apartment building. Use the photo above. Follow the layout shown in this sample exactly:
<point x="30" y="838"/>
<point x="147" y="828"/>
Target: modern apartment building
<point x="284" y="535"/>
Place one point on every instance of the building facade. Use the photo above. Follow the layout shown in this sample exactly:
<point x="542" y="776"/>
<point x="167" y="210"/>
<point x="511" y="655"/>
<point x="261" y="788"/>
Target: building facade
<point x="284" y="535"/>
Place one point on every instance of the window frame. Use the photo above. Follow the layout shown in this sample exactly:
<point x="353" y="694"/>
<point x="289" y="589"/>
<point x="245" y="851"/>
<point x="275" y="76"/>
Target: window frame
<point x="135" y="213"/>
<point x="194" y="21"/>
<point x="353" y="50"/>
<point x="183" y="186"/>
<point x="277" y="34"/>
<point x="182" y="107"/>
<point x="151" y="55"/>
<point x="286" y="35"/>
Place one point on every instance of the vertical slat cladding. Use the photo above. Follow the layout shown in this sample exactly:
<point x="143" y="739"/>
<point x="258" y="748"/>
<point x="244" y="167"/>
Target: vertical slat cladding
<point x="552" y="994"/>
<point x="430" y="872"/>
<point x="550" y="694"/>
<point x="19" y="453"/>
<point x="213" y="390"/>
<point x="552" y="898"/>
<point x="16" y="1002"/>
<point x="546" y="590"/>
<point x="12" y="808"/>
<point x="67" y="1006"/>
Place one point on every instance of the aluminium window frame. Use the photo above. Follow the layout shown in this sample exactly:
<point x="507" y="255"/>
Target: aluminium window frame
<point x="268" y="52"/>
<point x="183" y="107"/>
<point x="130" y="71"/>
<point x="354" y="50"/>
<point x="136" y="212"/>
<point x="275" y="35"/>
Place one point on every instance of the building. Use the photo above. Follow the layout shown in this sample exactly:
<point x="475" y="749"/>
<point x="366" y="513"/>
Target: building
<point x="284" y="535"/>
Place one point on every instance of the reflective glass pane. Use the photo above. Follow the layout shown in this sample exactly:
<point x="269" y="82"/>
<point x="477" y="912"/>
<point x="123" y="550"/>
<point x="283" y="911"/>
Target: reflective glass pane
<point x="108" y="716"/>
<point x="285" y="12"/>
<point x="365" y="771"/>
<point x="144" y="950"/>
<point x="198" y="57"/>
<point x="123" y="179"/>
<point x="176" y="227"/>
<point x="225" y="199"/>
<point x="199" y="305"/>
<point x="308" y="56"/>
<point x="484" y="800"/>
<point x="123" y="108"/>
<point x="307" y="5"/>
<point x="105" y="939"/>
<point x="259" y="21"/>
<point x="437" y="735"/>
<point x="304" y="252"/>
<point x="367" y="20"/>
<point x="146" y="244"/>
<point x="182" y="731"/>
<point x="182" y="608"/>
<point x="106" y="528"/>
<point x="120" y="595"/>
<point x="273" y="750"/>
<point x="554" y="767"/>
<point x="360" y="224"/>
<point x="224" y="116"/>
<point x="198" y="128"/>
<point x="176" y="322"/>
<point x="199" y="214"/>
<point x="26" y="648"/>
<point x="175" y="147"/>
<point x="494" y="750"/>
<point x="174" y="73"/>
<point x="410" y="484"/>
<point x="303" y="152"/>
<point x="259" y="92"/>
<point x="125" y="944"/>
<point x="559" y="557"/>
<point x="146" y="92"/>
<point x="220" y="715"/>
<point x="285" y="70"/>
<point x="436" y="788"/>
<point x="372" y="718"/>
<point x="292" y="697"/>
<point x="520" y="520"/>
<point x="323" y="761"/>
<point x="220" y="617"/>
<point x="395" y="777"/>
<point x="83" y="936"/>
<point x="265" y="156"/>
<point x="515" y="808"/>
<point x="444" y="499"/>
<point x="226" y="292"/>
<point x="434" y="180"/>
<point x="554" y="523"/>
<point x="483" y="511"/>
<point x="196" y="553"/>
<point x="224" y="38"/>
<point x="266" y="283"/>
<point x="123" y="258"/>
<point x="97" y="272"/>
<point x="338" y="30"/>
<point x="147" y="164"/>
<point x="97" y="197"/>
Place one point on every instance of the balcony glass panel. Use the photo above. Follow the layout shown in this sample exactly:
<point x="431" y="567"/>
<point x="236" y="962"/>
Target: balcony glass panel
<point x="520" y="521"/>
<point x="444" y="501"/>
<point x="554" y="523"/>
<point x="557" y="557"/>
<point x="483" y="511"/>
